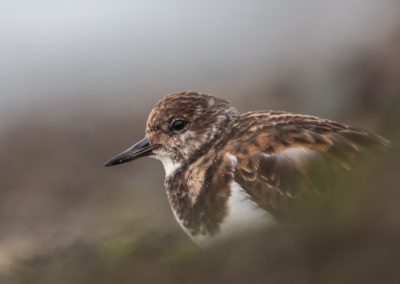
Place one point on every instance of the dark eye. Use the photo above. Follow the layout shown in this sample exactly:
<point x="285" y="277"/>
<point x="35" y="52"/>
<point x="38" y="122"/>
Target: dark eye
<point x="178" y="125"/>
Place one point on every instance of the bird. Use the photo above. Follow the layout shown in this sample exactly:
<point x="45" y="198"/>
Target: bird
<point x="229" y="173"/>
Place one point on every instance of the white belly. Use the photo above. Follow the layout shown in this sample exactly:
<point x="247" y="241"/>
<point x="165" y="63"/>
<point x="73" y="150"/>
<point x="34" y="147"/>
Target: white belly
<point x="243" y="216"/>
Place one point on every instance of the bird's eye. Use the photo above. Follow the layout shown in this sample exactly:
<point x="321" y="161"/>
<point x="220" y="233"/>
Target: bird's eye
<point x="178" y="125"/>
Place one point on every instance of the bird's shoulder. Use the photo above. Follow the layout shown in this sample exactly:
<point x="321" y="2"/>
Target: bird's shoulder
<point x="273" y="132"/>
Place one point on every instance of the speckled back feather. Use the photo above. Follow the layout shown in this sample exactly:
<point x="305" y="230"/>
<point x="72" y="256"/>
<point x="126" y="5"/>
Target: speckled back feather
<point x="280" y="155"/>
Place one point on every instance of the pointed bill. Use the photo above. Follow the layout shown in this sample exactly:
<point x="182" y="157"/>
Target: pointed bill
<point x="140" y="149"/>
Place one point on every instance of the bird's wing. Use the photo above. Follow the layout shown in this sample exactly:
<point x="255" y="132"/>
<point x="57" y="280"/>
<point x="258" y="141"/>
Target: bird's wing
<point x="288" y="157"/>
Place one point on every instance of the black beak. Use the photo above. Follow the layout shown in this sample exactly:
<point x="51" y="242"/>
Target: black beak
<point x="140" y="149"/>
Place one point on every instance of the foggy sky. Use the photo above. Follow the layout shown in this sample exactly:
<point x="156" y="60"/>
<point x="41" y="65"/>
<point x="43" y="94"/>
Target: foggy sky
<point x="61" y="49"/>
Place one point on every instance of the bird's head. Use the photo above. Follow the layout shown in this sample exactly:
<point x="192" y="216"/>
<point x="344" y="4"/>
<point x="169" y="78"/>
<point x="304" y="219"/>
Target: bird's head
<point x="179" y="127"/>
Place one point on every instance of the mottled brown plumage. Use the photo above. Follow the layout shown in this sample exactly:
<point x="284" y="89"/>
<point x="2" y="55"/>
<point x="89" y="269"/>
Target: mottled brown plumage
<point x="282" y="155"/>
<point x="219" y="163"/>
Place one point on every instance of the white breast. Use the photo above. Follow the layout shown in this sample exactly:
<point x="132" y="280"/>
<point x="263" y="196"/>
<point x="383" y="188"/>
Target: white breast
<point x="243" y="216"/>
<point x="244" y="213"/>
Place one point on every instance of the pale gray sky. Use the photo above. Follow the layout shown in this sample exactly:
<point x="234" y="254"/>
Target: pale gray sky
<point x="59" y="49"/>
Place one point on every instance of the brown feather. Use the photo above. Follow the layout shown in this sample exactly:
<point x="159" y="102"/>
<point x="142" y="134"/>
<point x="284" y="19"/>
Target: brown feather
<point x="278" y="154"/>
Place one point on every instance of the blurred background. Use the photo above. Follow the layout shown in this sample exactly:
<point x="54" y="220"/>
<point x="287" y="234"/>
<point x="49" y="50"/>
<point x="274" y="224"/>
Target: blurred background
<point x="77" y="81"/>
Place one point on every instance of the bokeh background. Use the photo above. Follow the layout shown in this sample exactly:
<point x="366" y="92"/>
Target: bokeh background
<point x="77" y="80"/>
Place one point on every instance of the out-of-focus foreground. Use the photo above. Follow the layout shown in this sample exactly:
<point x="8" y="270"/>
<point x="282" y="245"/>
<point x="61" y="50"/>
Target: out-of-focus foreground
<point x="64" y="218"/>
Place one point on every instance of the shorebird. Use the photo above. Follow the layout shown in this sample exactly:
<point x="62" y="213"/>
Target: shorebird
<point x="228" y="172"/>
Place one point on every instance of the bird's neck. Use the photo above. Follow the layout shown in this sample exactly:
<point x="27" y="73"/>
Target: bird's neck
<point x="197" y="194"/>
